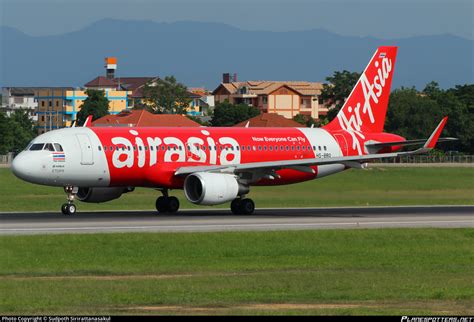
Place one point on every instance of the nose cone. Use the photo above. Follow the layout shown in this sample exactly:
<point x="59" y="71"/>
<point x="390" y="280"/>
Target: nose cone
<point x="21" y="167"/>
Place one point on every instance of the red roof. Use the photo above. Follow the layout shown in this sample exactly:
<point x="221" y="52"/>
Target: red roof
<point x="269" y="120"/>
<point x="143" y="118"/>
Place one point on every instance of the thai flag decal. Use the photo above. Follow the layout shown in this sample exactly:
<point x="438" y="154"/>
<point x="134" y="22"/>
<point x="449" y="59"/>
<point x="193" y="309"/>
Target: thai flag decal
<point x="59" y="156"/>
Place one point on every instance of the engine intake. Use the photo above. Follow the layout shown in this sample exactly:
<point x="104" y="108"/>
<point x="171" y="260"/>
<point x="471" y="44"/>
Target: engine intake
<point x="96" y="195"/>
<point x="205" y="188"/>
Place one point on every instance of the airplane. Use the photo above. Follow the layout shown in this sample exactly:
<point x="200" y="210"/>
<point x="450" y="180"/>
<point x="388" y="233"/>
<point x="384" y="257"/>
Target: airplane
<point x="215" y="165"/>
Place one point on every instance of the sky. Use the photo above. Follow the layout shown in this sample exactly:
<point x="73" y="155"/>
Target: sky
<point x="378" y="18"/>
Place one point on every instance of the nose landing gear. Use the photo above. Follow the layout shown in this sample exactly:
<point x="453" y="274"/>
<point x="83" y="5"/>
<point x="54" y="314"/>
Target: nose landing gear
<point x="69" y="208"/>
<point x="167" y="204"/>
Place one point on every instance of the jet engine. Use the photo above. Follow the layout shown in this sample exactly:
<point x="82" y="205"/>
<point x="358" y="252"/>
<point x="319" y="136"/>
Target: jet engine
<point x="205" y="188"/>
<point x="96" y="195"/>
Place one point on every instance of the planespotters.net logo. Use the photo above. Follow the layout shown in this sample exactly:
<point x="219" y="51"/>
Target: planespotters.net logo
<point x="436" y="319"/>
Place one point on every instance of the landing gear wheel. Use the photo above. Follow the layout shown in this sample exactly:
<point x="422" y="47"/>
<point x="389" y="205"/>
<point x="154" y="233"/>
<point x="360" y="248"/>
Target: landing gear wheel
<point x="68" y="209"/>
<point x="161" y="204"/>
<point x="247" y="206"/>
<point x="235" y="206"/>
<point x="167" y="204"/>
<point x="173" y="205"/>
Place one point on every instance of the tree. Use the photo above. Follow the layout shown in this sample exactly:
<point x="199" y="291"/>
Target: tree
<point x="339" y="87"/>
<point x="411" y="114"/>
<point x="414" y="114"/>
<point x="166" y="96"/>
<point x="305" y="120"/>
<point x="226" y="114"/>
<point x="17" y="130"/>
<point x="96" y="104"/>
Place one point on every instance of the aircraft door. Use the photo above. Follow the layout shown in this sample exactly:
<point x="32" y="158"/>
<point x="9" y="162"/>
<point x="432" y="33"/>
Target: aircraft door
<point x="87" y="156"/>
<point x="341" y="140"/>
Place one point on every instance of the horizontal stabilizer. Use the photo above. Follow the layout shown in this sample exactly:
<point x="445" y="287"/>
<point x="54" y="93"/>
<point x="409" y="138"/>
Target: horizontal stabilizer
<point x="405" y="143"/>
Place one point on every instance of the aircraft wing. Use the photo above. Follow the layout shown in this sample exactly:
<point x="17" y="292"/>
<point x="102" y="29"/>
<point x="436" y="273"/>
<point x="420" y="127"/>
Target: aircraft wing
<point x="303" y="164"/>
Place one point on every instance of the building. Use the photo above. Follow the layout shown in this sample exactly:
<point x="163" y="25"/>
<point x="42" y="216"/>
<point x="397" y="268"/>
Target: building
<point x="58" y="106"/>
<point x="144" y="118"/>
<point x="202" y="102"/>
<point x="19" y="98"/>
<point x="269" y="120"/>
<point x="286" y="98"/>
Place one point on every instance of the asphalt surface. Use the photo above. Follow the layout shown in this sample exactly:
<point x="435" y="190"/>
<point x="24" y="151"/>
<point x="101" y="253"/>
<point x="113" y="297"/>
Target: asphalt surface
<point x="222" y="220"/>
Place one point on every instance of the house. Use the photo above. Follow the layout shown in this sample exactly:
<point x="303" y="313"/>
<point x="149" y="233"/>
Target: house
<point x="202" y="102"/>
<point x="269" y="120"/>
<point x="286" y="98"/>
<point x="143" y="118"/>
<point x="19" y="98"/>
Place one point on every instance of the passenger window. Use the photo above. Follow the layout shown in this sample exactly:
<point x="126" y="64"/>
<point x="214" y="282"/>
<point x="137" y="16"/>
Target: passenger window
<point x="292" y="148"/>
<point x="264" y="148"/>
<point x="303" y="147"/>
<point x="325" y="149"/>
<point x="259" y="148"/>
<point x="319" y="147"/>
<point x="58" y="147"/>
<point x="100" y="148"/>
<point x="243" y="147"/>
<point x="287" y="148"/>
<point x="270" y="147"/>
<point x="37" y="147"/>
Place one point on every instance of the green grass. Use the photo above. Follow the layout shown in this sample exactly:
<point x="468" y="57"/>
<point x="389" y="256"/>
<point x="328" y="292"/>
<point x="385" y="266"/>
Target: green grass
<point x="375" y="186"/>
<point x="386" y="271"/>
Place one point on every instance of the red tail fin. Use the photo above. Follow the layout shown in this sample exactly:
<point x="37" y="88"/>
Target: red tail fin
<point x="366" y="106"/>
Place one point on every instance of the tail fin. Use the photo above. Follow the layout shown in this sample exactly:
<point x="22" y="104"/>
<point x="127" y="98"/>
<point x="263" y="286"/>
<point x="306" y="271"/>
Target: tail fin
<point x="366" y="106"/>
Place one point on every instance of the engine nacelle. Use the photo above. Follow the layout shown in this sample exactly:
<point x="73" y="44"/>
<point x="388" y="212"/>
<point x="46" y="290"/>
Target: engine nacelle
<point x="205" y="188"/>
<point x="96" y="195"/>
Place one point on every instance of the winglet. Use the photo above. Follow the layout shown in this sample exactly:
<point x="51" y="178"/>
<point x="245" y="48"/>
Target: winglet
<point x="88" y="121"/>
<point x="433" y="139"/>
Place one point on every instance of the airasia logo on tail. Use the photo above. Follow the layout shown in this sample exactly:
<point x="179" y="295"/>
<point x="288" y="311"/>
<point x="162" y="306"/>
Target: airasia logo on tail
<point x="352" y="116"/>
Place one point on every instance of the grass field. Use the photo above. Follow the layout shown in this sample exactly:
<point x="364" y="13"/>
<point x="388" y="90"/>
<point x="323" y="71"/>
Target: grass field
<point x="374" y="186"/>
<point x="386" y="271"/>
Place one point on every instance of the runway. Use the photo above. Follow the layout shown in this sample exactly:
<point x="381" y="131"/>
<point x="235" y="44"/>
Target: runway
<point x="208" y="220"/>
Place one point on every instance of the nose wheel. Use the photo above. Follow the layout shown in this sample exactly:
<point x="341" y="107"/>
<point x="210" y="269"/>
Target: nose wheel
<point x="69" y="208"/>
<point x="167" y="204"/>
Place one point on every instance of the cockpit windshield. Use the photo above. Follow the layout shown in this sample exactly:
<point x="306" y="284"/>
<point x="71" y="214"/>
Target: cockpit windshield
<point x="46" y="146"/>
<point x="36" y="147"/>
<point x="49" y="147"/>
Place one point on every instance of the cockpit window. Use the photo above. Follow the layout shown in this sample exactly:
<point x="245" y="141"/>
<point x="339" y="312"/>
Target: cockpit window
<point x="49" y="147"/>
<point x="37" y="147"/>
<point x="58" y="147"/>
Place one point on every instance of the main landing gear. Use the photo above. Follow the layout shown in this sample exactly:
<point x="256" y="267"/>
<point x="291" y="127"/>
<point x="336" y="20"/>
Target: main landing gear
<point x="69" y="208"/>
<point x="167" y="204"/>
<point x="243" y="206"/>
